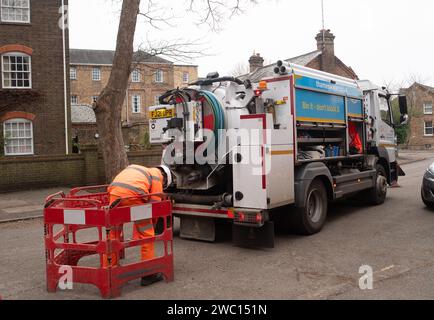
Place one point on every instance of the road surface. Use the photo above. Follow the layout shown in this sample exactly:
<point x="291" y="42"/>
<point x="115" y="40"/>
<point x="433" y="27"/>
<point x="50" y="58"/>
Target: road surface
<point x="396" y="240"/>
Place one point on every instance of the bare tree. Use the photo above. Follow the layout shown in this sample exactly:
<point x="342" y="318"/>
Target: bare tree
<point x="240" y="69"/>
<point x="108" y="107"/>
<point x="214" y="12"/>
<point x="394" y="85"/>
<point x="412" y="78"/>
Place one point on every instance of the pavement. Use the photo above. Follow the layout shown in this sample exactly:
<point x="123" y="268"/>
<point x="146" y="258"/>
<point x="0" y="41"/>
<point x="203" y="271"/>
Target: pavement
<point x="395" y="240"/>
<point x="24" y="205"/>
<point x="409" y="156"/>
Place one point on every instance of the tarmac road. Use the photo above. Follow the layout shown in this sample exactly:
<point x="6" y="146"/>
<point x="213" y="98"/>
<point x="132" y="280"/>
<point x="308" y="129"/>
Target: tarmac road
<point x="396" y="240"/>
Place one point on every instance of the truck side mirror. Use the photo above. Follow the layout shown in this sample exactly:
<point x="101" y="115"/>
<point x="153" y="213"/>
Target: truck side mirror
<point x="403" y="105"/>
<point x="404" y="119"/>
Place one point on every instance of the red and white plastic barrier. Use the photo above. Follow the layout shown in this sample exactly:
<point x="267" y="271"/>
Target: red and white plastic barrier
<point x="76" y="212"/>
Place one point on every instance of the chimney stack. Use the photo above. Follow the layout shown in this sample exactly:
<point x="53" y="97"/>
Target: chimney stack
<point x="256" y="62"/>
<point x="326" y="43"/>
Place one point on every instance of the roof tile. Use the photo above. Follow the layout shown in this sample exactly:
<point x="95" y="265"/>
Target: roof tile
<point x="268" y="71"/>
<point x="105" y="57"/>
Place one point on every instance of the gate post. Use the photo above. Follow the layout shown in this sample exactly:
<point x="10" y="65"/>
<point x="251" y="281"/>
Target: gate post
<point x="90" y="153"/>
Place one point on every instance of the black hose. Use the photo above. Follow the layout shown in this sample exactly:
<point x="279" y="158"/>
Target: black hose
<point x="225" y="199"/>
<point x="165" y="96"/>
<point x="208" y="82"/>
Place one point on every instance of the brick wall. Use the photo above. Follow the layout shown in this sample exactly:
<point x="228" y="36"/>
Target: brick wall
<point x="85" y="88"/>
<point x="23" y="173"/>
<point x="327" y="60"/>
<point x="417" y="96"/>
<point x="41" y="171"/>
<point x="179" y="71"/>
<point x="44" y="37"/>
<point x="85" y="132"/>
<point x="134" y="134"/>
<point x="337" y="68"/>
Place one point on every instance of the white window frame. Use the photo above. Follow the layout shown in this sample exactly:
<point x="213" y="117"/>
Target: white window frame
<point x="185" y="77"/>
<point x="18" y="121"/>
<point x="22" y="8"/>
<point x="73" y="73"/>
<point x="16" y="54"/>
<point x="136" y="76"/>
<point x="159" y="76"/>
<point x="425" y="105"/>
<point x="425" y="128"/>
<point x="72" y="98"/>
<point x="138" y="101"/>
<point x="96" y="71"/>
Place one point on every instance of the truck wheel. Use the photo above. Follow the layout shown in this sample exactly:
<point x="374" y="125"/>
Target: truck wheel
<point x="377" y="195"/>
<point x="310" y="218"/>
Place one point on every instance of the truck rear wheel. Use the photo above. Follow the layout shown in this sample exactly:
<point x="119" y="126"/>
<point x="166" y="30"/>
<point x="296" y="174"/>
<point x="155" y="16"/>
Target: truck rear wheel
<point x="310" y="218"/>
<point x="377" y="195"/>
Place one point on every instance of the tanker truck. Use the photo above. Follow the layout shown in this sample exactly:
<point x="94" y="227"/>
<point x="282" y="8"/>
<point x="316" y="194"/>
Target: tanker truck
<point x="273" y="153"/>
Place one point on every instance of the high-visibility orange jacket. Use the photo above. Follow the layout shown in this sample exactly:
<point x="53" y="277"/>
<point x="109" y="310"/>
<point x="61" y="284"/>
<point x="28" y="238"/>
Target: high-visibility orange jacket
<point x="136" y="181"/>
<point x="132" y="182"/>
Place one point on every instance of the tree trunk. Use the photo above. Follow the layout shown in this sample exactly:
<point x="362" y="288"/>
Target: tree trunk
<point x="108" y="107"/>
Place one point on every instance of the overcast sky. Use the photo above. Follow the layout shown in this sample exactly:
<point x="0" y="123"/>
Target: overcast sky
<point x="382" y="40"/>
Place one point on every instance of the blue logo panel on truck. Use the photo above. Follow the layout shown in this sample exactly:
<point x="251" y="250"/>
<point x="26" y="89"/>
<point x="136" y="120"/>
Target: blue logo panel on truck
<point x="327" y="86"/>
<point x="319" y="107"/>
<point x="355" y="108"/>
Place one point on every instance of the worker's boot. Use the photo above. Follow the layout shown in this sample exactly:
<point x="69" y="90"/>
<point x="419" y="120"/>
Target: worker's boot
<point x="147" y="281"/>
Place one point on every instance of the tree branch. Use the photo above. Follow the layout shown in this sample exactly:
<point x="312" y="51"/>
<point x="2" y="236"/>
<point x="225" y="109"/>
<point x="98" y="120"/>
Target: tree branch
<point x="180" y="50"/>
<point x="213" y="12"/>
<point x="155" y="16"/>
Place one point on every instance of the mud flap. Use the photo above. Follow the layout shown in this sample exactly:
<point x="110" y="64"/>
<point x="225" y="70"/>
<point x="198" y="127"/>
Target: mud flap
<point x="396" y="173"/>
<point x="254" y="237"/>
<point x="401" y="172"/>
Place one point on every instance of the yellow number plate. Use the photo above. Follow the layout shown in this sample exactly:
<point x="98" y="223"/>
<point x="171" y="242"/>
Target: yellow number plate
<point x="162" y="113"/>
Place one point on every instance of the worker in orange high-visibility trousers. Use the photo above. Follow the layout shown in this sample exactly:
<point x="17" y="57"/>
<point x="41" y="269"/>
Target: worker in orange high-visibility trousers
<point x="132" y="182"/>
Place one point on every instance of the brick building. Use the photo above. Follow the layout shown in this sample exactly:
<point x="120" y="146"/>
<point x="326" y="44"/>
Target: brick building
<point x="151" y="77"/>
<point x="34" y="110"/>
<point x="323" y="58"/>
<point x="420" y="104"/>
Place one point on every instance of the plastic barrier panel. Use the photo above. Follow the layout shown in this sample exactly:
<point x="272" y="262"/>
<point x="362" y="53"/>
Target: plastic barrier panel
<point x="88" y="208"/>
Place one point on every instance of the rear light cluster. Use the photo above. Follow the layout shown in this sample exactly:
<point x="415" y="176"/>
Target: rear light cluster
<point x="255" y="218"/>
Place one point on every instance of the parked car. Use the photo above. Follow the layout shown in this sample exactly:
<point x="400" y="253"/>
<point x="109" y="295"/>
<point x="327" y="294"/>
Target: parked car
<point x="428" y="187"/>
